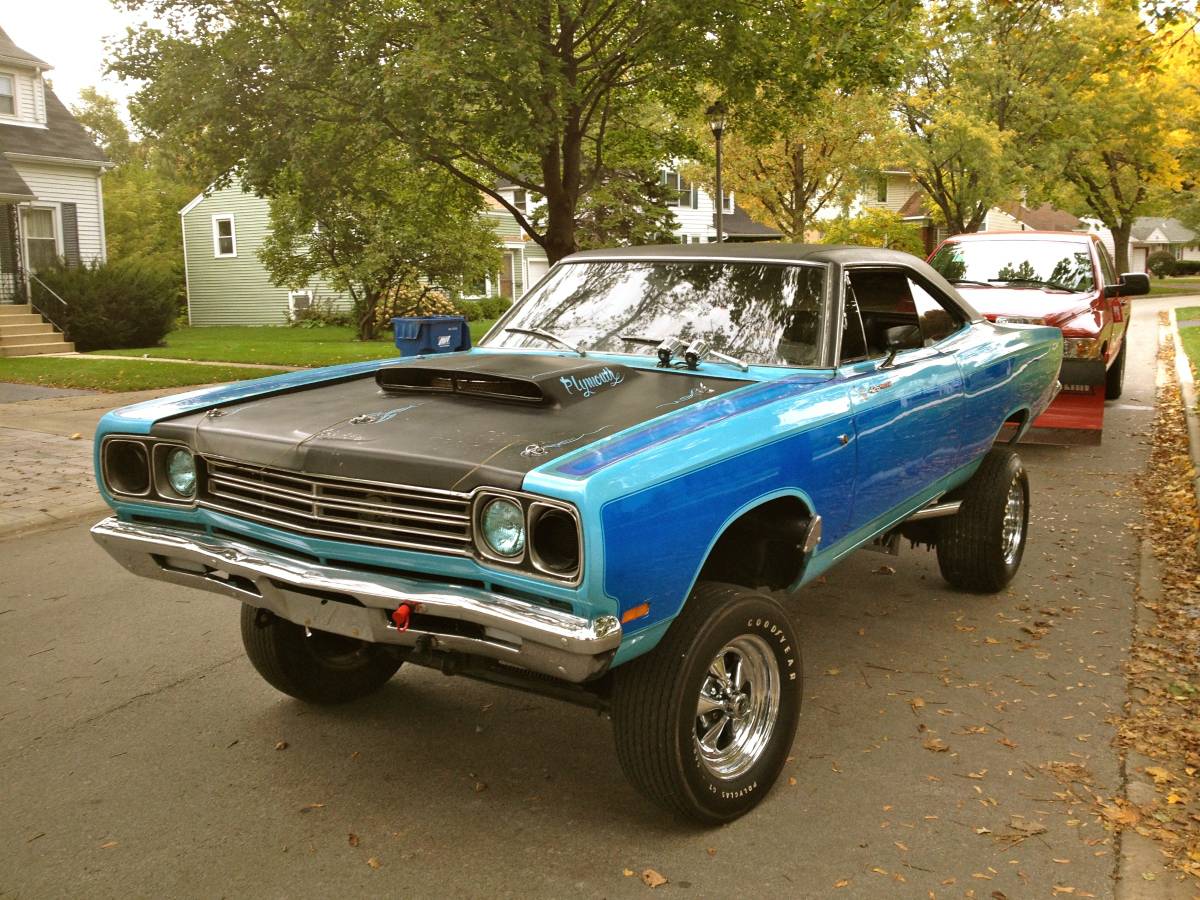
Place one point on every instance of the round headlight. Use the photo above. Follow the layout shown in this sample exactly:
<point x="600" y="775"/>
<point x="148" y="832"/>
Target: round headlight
<point x="503" y="524"/>
<point x="181" y="471"/>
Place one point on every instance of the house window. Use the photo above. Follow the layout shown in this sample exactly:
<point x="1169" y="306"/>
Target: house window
<point x="518" y="199"/>
<point x="681" y="192"/>
<point x="224" y="236"/>
<point x="8" y="95"/>
<point x="41" y="237"/>
<point x="881" y="189"/>
<point x="729" y="202"/>
<point x="506" y="274"/>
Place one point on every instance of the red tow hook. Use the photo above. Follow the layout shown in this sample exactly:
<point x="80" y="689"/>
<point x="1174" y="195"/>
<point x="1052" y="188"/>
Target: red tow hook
<point x="400" y="616"/>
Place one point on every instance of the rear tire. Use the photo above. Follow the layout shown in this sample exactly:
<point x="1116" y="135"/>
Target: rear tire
<point x="704" y="722"/>
<point x="980" y="548"/>
<point x="320" y="668"/>
<point x="1114" y="380"/>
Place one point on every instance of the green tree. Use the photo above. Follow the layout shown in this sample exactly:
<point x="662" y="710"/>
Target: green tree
<point x="373" y="226"/>
<point x="982" y="88"/>
<point x="875" y="228"/>
<point x="789" y="163"/>
<point x="143" y="192"/>
<point x="530" y="93"/>
<point x="1129" y="149"/>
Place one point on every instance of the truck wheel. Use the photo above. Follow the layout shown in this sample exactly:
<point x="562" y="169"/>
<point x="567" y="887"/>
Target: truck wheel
<point x="1114" y="381"/>
<point x="980" y="548"/>
<point x="704" y="722"/>
<point x="320" y="667"/>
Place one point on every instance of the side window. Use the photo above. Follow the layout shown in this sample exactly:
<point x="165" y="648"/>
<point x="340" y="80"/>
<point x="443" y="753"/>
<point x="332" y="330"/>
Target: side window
<point x="939" y="318"/>
<point x="876" y="300"/>
<point x="1107" y="267"/>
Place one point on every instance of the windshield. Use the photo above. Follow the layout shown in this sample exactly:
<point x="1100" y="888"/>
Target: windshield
<point x="761" y="313"/>
<point x="1062" y="265"/>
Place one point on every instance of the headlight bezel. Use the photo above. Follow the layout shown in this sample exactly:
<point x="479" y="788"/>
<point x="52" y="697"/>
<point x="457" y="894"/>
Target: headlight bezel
<point x="487" y="532"/>
<point x="528" y="561"/>
<point x="154" y="451"/>
<point x="163" y="454"/>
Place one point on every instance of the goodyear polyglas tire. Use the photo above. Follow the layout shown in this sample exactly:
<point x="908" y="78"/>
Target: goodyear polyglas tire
<point x="704" y="722"/>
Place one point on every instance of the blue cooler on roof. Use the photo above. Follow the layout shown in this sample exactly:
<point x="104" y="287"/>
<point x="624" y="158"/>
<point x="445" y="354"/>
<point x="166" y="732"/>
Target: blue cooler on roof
<point x="431" y="334"/>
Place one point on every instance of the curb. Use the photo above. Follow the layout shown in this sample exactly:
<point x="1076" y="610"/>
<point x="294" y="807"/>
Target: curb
<point x="46" y="522"/>
<point x="1187" y="393"/>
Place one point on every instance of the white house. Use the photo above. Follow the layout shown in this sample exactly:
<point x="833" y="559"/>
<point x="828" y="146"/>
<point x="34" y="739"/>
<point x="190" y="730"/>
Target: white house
<point x="51" y="205"/>
<point x="227" y="284"/>
<point x="1154" y="234"/>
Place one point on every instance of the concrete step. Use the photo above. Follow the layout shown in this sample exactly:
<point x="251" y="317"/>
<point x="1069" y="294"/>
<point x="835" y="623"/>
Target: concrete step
<point x="24" y="340"/>
<point x="15" y="309"/>
<point x="22" y="319"/>
<point x="14" y="330"/>
<point x="37" y="349"/>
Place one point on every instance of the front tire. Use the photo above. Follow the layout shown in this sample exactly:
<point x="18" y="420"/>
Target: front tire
<point x="1114" y="380"/>
<point x="319" y="667"/>
<point x="704" y="722"/>
<point x="980" y="548"/>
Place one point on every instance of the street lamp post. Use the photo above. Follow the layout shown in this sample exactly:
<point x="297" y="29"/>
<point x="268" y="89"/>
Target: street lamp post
<point x="716" y="122"/>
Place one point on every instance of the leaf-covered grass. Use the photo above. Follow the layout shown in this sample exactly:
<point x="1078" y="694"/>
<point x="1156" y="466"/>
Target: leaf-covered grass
<point x="274" y="345"/>
<point x="117" y="375"/>
<point x="1187" y="284"/>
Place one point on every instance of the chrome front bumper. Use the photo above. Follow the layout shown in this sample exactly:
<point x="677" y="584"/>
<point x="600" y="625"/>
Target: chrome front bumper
<point x="359" y="604"/>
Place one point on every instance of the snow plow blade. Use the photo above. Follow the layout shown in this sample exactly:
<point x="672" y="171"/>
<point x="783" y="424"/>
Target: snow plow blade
<point x="1073" y="419"/>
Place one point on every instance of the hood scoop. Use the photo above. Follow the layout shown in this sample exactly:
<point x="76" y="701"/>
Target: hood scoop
<point x="449" y="381"/>
<point x="539" y="381"/>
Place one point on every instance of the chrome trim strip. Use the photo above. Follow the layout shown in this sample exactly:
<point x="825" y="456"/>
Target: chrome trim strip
<point x="514" y="631"/>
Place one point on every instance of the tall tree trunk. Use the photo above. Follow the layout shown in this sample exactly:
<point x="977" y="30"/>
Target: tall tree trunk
<point x="366" y="314"/>
<point x="1120" y="232"/>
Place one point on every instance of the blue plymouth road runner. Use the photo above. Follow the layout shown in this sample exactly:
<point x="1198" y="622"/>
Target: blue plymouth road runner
<point x="592" y="503"/>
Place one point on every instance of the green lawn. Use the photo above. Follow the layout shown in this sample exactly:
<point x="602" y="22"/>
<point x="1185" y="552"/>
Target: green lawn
<point x="278" y="346"/>
<point x="1188" y="284"/>
<point x="117" y="375"/>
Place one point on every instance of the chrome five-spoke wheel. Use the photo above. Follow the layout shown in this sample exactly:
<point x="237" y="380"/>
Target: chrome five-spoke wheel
<point x="738" y="706"/>
<point x="1013" y="531"/>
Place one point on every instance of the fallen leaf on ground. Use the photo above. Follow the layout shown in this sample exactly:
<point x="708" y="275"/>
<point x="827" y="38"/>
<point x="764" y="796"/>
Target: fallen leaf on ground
<point x="917" y="703"/>
<point x="937" y="745"/>
<point x="842" y="882"/>
<point x="353" y="839"/>
<point x="1159" y="774"/>
<point x="711" y="851"/>
<point x="885" y="570"/>
<point x="108" y="845"/>
<point x="282" y="745"/>
<point x="653" y="879"/>
<point x="480" y="787"/>
<point x="311" y="806"/>
<point x="628" y="873"/>
<point x="374" y="862"/>
<point x="76" y="436"/>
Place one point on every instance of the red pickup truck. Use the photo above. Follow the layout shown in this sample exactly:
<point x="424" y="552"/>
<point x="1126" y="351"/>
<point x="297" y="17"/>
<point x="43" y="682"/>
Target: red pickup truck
<point x="1064" y="279"/>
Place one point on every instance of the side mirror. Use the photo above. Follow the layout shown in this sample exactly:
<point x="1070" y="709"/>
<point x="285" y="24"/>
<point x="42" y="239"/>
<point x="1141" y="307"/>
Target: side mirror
<point x="901" y="337"/>
<point x="1133" y="284"/>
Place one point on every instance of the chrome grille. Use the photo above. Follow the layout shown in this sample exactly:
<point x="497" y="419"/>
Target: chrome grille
<point x="364" y="511"/>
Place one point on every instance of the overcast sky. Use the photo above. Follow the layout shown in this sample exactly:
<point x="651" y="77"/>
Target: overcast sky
<point x="70" y="35"/>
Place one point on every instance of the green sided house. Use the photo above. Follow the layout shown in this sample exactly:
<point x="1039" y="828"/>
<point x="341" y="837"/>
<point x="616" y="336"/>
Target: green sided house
<point x="51" y="207"/>
<point x="227" y="283"/>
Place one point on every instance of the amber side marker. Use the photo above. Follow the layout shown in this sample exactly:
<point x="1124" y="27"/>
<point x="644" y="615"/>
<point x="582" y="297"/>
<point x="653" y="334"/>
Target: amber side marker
<point x="635" y="612"/>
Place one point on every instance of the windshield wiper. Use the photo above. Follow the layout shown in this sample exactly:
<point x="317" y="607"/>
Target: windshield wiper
<point x="548" y="336"/>
<point x="1050" y="284"/>
<point x="968" y="281"/>
<point x="693" y="353"/>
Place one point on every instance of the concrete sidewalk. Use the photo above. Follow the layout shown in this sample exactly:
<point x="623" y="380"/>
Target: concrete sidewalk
<point x="46" y="451"/>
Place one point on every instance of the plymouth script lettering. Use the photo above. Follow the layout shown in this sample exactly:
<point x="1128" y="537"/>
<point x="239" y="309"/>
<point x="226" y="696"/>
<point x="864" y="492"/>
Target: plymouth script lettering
<point x="589" y="384"/>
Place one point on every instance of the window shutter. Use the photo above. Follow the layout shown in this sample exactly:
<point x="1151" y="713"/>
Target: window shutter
<point x="695" y="197"/>
<point x="8" y="258"/>
<point x="70" y="226"/>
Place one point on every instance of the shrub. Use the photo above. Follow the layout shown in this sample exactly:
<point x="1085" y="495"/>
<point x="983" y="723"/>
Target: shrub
<point x="494" y="307"/>
<point x="1187" y="267"/>
<point x="875" y="228"/>
<point x="1161" y="263"/>
<point x="321" y="313"/>
<point x="471" y="310"/>
<point x="124" y="303"/>
<point x="412" y="300"/>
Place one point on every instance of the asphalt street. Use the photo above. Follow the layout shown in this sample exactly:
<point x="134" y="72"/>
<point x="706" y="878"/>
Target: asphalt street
<point x="140" y="754"/>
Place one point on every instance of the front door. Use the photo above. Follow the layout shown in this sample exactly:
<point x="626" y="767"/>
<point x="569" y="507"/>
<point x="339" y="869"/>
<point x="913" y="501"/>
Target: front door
<point x="906" y="413"/>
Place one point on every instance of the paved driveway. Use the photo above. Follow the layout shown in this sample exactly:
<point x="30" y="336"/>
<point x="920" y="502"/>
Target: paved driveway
<point x="138" y="749"/>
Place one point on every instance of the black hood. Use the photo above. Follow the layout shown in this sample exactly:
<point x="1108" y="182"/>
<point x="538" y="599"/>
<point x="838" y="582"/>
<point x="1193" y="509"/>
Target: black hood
<point x="453" y="422"/>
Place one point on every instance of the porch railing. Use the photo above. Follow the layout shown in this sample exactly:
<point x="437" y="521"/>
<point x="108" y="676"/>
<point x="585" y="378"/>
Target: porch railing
<point x="54" y="309"/>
